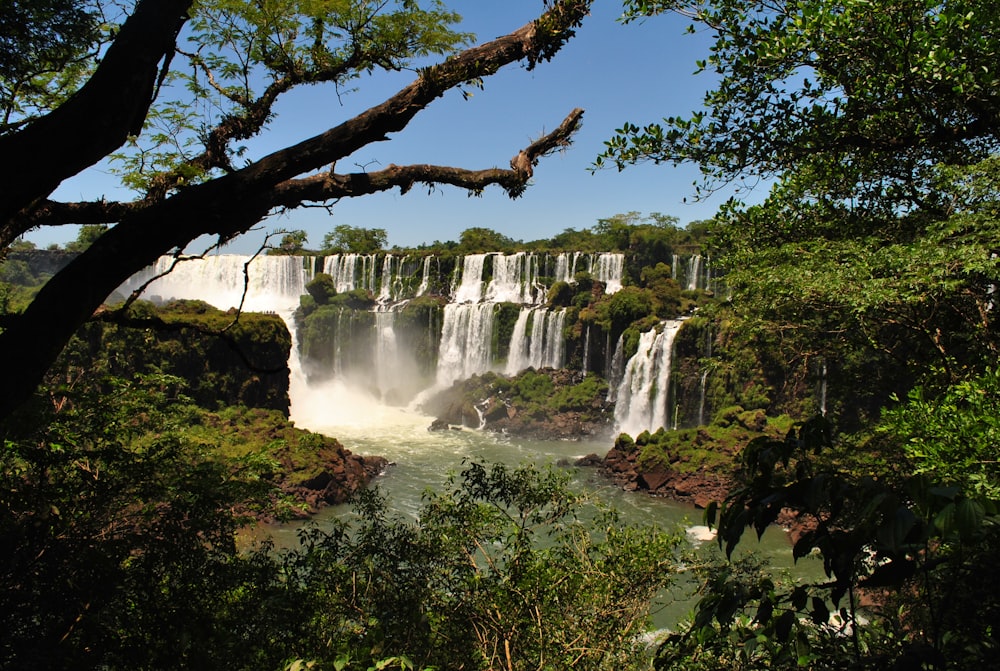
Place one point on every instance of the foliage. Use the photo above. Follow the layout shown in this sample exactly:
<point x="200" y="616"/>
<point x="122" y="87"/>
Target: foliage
<point x="321" y="288"/>
<point x="86" y="237"/>
<point x="878" y="227"/>
<point x="951" y="436"/>
<point x="45" y="48"/>
<point x="355" y="240"/>
<point x="236" y="50"/>
<point x="907" y="535"/>
<point x="532" y="396"/>
<point x="844" y="91"/>
<point x="532" y="387"/>
<point x="875" y="124"/>
<point x="181" y="86"/>
<point x="709" y="448"/>
<point x="628" y="305"/>
<point x="120" y="509"/>
<point x="292" y="242"/>
<point x="478" y="240"/>
<point x="119" y="553"/>
<point x="504" y="568"/>
<point x="225" y="360"/>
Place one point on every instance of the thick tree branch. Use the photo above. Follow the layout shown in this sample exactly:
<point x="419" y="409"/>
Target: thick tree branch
<point x="55" y="213"/>
<point x="318" y="188"/>
<point x="534" y="42"/>
<point x="231" y="204"/>
<point x="98" y="119"/>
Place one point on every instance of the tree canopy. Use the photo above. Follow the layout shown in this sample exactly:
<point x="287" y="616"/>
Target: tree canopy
<point x="874" y="127"/>
<point x="178" y="89"/>
<point x="355" y="239"/>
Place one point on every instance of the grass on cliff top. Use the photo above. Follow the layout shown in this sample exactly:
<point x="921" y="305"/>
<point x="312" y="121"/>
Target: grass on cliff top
<point x="264" y="437"/>
<point x="705" y="447"/>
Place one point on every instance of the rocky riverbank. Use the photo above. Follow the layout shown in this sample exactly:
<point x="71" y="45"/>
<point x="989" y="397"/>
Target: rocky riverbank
<point x="545" y="404"/>
<point x="698" y="487"/>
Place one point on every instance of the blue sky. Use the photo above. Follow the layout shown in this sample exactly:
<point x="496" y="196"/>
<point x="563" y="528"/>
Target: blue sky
<point x="616" y="73"/>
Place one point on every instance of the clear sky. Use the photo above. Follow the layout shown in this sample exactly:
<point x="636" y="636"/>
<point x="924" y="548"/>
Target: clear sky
<point x="616" y="73"/>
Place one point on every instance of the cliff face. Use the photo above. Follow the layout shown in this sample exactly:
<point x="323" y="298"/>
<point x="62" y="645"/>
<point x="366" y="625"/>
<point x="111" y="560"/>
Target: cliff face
<point x="237" y="372"/>
<point x="244" y="364"/>
<point x="43" y="262"/>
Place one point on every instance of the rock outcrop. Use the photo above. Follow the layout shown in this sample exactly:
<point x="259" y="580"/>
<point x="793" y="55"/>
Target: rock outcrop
<point x="552" y="405"/>
<point x="338" y="474"/>
<point x="698" y="487"/>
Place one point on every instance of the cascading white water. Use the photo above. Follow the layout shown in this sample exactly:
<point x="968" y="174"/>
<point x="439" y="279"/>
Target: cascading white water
<point x="544" y="348"/>
<point x="464" y="351"/>
<point x="270" y="283"/>
<point x="341" y="268"/>
<point x="608" y="268"/>
<point x="467" y="339"/>
<point x="367" y="425"/>
<point x="515" y="279"/>
<point x="518" y="357"/>
<point x="642" y="397"/>
<point x="386" y="353"/>
<point x="470" y="288"/>
<point x="425" y="279"/>
<point x="555" y="343"/>
<point x="694" y="268"/>
<point x="702" y="388"/>
<point x="389" y="272"/>
<point x="822" y="390"/>
<point x="616" y="368"/>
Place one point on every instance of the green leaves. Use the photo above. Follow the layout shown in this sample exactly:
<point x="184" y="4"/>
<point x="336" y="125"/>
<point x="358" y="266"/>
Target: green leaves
<point x="244" y="56"/>
<point x="503" y="568"/>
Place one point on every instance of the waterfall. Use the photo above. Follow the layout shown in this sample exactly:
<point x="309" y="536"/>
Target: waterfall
<point x="608" y="269"/>
<point x="391" y="351"/>
<point x="272" y="283"/>
<point x="586" y="350"/>
<point x="465" y="342"/>
<point x="642" y="397"/>
<point x="822" y="390"/>
<point x="694" y="268"/>
<point x="701" y="397"/>
<point x="515" y="278"/>
<point x="544" y="348"/>
<point x="616" y="368"/>
<point x="470" y="289"/>
<point x="343" y="269"/>
<point x="518" y="358"/>
<point x="385" y="294"/>
<point x="386" y="352"/>
<point x="555" y="344"/>
<point x="425" y="279"/>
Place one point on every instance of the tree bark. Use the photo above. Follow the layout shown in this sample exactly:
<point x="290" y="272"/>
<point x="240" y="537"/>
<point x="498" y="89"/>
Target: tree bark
<point x="229" y="205"/>
<point x="97" y="119"/>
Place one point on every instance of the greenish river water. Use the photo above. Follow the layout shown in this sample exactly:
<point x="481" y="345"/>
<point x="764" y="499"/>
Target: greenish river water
<point x="422" y="460"/>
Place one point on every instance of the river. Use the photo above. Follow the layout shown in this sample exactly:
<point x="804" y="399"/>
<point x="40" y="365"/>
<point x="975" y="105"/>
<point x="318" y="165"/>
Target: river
<point x="422" y="460"/>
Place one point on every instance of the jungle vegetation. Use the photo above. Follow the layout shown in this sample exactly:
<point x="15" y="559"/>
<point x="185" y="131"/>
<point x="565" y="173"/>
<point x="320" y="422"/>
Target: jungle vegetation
<point x="873" y="125"/>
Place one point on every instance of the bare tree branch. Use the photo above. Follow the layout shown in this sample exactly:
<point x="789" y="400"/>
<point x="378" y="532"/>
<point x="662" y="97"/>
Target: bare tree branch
<point x="329" y="186"/>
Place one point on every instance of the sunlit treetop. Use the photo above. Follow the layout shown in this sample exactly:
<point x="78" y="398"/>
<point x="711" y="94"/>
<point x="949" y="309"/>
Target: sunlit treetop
<point x="46" y="47"/>
<point x="875" y="89"/>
